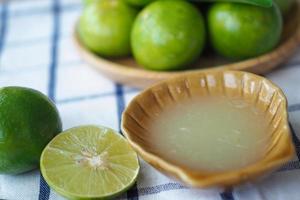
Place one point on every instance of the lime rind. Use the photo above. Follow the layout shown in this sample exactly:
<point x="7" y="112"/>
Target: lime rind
<point x="262" y="3"/>
<point x="58" y="163"/>
<point x="29" y="120"/>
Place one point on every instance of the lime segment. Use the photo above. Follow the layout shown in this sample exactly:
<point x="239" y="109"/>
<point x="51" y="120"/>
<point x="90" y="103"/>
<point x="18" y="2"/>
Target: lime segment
<point x="89" y="162"/>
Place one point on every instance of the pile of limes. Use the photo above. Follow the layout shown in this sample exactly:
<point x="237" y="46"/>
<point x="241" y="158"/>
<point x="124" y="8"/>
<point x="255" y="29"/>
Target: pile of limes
<point x="171" y="34"/>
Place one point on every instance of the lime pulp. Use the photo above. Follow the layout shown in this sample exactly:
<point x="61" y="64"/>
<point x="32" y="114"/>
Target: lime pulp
<point x="89" y="162"/>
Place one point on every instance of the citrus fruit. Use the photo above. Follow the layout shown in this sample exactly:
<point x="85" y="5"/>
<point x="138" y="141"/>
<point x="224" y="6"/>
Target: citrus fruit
<point x="139" y="2"/>
<point x="168" y="35"/>
<point x="28" y="121"/>
<point x="89" y="162"/>
<point x="86" y="2"/>
<point x="284" y="5"/>
<point x="241" y="31"/>
<point x="105" y="26"/>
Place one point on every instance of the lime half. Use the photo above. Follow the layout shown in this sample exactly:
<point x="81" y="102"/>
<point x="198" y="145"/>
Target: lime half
<point x="89" y="162"/>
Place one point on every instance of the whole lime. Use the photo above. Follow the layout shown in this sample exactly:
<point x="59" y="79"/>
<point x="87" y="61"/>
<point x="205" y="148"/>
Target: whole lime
<point x="284" y="5"/>
<point x="105" y="26"/>
<point x="28" y="121"/>
<point x="139" y="2"/>
<point x="86" y="2"/>
<point x="241" y="31"/>
<point x="168" y="35"/>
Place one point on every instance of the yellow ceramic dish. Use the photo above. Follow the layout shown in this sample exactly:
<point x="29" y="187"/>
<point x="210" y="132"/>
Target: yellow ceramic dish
<point x="268" y="98"/>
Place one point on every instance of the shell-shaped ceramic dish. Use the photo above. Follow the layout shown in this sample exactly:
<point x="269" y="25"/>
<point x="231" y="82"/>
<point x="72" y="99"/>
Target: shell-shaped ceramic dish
<point x="267" y="97"/>
<point x="127" y="71"/>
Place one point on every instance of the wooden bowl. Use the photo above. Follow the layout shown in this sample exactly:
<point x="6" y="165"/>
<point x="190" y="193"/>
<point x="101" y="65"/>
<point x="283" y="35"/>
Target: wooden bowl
<point x="138" y="116"/>
<point x="127" y="71"/>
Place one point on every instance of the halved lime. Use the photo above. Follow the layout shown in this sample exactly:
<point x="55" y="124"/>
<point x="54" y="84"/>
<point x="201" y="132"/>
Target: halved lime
<point x="89" y="162"/>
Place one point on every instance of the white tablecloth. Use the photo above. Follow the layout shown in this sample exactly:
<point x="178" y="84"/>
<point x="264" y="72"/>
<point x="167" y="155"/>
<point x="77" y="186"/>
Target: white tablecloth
<point x="36" y="51"/>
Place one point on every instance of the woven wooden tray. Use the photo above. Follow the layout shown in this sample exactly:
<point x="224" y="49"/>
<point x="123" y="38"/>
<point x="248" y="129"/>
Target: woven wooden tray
<point x="127" y="71"/>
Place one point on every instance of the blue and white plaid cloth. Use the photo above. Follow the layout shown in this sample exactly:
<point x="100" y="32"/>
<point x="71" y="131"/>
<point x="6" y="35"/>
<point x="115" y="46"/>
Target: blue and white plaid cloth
<point x="36" y="51"/>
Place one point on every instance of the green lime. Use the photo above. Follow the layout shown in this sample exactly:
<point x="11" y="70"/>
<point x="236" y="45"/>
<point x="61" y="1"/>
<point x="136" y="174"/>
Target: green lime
<point x="284" y="5"/>
<point x="105" y="26"/>
<point x="168" y="35"/>
<point x="28" y="121"/>
<point x="86" y="2"/>
<point x="241" y="31"/>
<point x="139" y="2"/>
<point x="89" y="162"/>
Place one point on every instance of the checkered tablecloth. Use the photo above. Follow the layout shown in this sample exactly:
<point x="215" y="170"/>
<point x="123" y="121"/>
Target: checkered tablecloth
<point x="36" y="51"/>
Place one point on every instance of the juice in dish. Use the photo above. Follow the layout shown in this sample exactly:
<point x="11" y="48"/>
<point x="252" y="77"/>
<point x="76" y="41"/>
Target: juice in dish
<point x="211" y="134"/>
